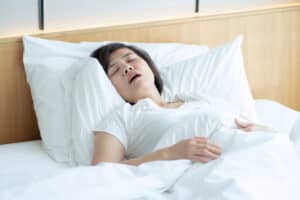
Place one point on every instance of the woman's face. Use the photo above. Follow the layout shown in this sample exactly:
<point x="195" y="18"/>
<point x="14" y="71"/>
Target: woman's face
<point x="130" y="74"/>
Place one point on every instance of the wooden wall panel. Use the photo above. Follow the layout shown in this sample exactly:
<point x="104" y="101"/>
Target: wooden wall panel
<point x="17" y="119"/>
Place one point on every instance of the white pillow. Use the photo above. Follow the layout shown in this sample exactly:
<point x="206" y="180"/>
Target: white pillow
<point x="163" y="54"/>
<point x="48" y="101"/>
<point x="34" y="47"/>
<point x="219" y="72"/>
<point x="295" y="134"/>
<point x="295" y="131"/>
<point x="46" y="62"/>
<point x="89" y="97"/>
<point x="278" y="116"/>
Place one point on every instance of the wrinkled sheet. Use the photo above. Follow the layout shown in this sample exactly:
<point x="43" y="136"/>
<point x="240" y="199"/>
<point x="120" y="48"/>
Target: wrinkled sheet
<point x="105" y="181"/>
<point x="268" y="169"/>
<point x="257" y="165"/>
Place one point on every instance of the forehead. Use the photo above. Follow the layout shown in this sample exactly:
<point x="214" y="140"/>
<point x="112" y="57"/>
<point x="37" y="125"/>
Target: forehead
<point x="120" y="53"/>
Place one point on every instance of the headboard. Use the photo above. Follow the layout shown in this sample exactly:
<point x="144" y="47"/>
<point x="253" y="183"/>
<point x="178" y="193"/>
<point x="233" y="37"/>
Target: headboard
<point x="271" y="50"/>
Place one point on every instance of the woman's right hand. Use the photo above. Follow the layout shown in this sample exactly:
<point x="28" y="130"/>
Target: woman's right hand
<point x="197" y="149"/>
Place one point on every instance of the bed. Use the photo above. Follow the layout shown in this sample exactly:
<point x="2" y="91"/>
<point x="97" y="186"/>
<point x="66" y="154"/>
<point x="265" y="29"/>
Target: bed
<point x="26" y="167"/>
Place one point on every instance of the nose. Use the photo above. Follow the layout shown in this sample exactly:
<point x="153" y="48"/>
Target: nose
<point x="127" y="68"/>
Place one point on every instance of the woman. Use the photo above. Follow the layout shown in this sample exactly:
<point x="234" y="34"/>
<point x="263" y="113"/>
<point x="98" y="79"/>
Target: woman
<point x="128" y="134"/>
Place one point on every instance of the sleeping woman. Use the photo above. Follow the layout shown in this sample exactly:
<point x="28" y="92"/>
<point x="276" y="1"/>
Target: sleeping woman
<point x="129" y="134"/>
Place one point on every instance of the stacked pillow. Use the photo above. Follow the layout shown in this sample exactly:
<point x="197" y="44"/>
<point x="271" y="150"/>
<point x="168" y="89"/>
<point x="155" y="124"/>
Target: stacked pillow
<point x="52" y="69"/>
<point x="89" y="96"/>
<point x="219" y="72"/>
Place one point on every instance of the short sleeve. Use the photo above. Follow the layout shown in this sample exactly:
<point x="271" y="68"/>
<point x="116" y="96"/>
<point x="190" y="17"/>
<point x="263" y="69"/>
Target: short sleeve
<point x="113" y="123"/>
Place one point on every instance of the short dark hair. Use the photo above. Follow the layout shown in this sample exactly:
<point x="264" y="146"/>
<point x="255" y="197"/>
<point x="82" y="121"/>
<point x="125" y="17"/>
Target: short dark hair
<point x="102" y="55"/>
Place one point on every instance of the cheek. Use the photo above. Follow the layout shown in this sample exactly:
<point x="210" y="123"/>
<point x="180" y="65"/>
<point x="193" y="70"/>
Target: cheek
<point x="150" y="73"/>
<point x="118" y="84"/>
<point x="145" y="67"/>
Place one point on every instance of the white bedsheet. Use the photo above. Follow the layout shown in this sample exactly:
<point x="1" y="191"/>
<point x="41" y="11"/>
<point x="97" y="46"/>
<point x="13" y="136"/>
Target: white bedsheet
<point x="276" y="115"/>
<point x="269" y="170"/>
<point x="28" y="173"/>
<point x="25" y="162"/>
<point x="262" y="166"/>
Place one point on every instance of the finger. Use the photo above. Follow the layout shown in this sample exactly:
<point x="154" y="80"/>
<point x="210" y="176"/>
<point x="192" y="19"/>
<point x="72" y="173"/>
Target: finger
<point x="238" y="123"/>
<point x="255" y="128"/>
<point x="215" y="146"/>
<point x="206" y="153"/>
<point x="248" y="129"/>
<point x="206" y="145"/>
<point x="214" y="149"/>
<point x="200" y="159"/>
<point x="200" y="139"/>
<point x="201" y="143"/>
<point x="210" y="154"/>
<point x="241" y="123"/>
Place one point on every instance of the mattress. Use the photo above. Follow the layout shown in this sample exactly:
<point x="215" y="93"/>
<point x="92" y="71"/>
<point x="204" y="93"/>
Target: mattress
<point x="27" y="162"/>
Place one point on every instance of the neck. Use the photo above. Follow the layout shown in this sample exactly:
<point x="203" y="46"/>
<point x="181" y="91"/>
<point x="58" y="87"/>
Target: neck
<point x="154" y="95"/>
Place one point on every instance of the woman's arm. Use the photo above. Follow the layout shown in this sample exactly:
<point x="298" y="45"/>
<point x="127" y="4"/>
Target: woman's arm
<point x="109" y="149"/>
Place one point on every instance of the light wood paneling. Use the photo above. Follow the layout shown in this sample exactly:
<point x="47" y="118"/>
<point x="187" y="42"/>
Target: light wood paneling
<point x="271" y="50"/>
<point x="17" y="119"/>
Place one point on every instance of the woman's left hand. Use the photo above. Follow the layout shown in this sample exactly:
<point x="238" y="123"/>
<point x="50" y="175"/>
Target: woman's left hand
<point x="249" y="126"/>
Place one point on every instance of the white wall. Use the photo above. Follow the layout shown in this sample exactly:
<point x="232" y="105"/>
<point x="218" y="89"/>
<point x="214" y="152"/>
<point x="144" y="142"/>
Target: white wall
<point x="18" y="16"/>
<point x="225" y="5"/>
<point x="21" y="16"/>
<point x="63" y="14"/>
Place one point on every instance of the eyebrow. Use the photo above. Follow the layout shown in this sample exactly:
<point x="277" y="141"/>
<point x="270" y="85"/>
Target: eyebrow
<point x="125" y="55"/>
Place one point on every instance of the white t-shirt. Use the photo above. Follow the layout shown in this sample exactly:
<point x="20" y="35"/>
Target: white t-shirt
<point x="139" y="127"/>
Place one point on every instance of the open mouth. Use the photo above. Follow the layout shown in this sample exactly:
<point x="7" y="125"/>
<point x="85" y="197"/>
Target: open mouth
<point x="134" y="77"/>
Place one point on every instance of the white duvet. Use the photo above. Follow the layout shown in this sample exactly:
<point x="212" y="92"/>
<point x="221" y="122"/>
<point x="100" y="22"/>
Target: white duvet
<point x="257" y="165"/>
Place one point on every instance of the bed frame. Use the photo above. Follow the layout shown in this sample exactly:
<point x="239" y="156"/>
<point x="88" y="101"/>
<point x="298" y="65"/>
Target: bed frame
<point x="271" y="49"/>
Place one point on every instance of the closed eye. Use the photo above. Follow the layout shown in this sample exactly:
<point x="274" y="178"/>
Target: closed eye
<point x="131" y="58"/>
<point x="113" y="71"/>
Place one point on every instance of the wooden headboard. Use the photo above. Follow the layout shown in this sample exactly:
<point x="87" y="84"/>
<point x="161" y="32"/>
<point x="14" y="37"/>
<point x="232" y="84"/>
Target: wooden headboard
<point x="271" y="49"/>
